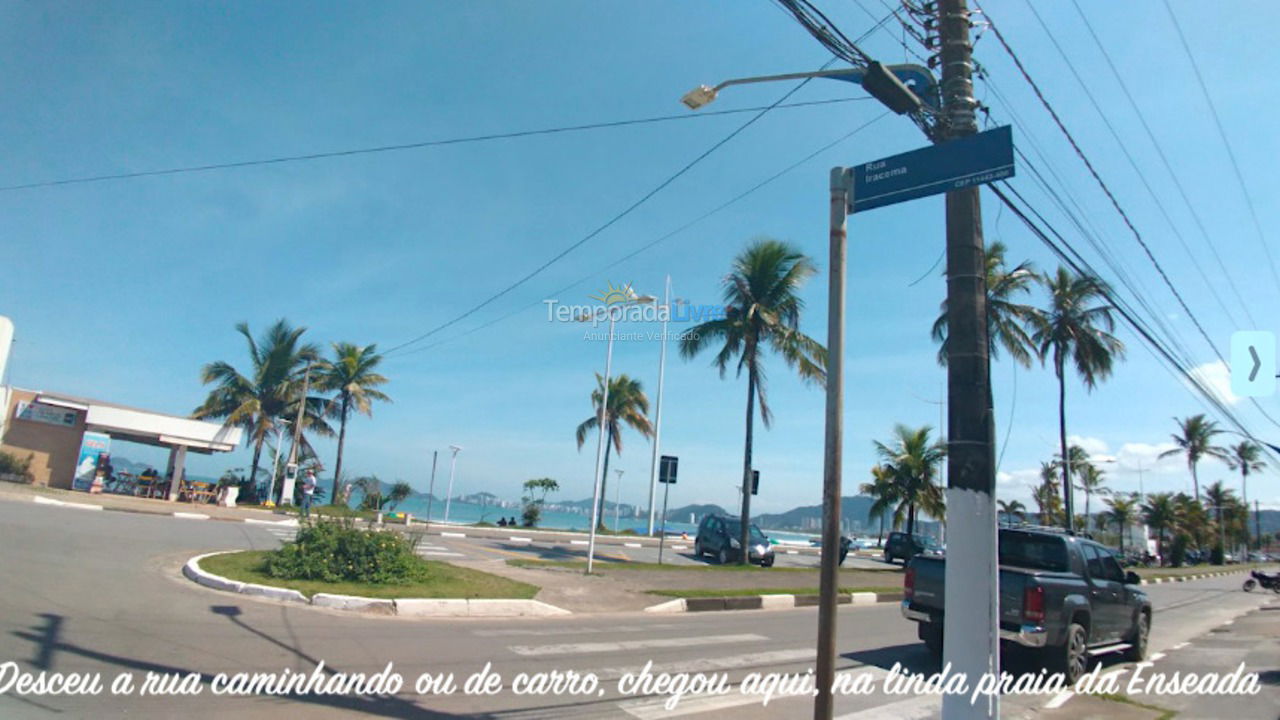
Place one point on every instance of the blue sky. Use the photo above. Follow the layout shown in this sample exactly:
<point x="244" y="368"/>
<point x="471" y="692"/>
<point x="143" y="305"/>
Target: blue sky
<point x="121" y="290"/>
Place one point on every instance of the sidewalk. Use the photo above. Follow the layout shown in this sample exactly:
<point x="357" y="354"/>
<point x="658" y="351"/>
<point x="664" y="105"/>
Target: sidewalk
<point x="126" y="503"/>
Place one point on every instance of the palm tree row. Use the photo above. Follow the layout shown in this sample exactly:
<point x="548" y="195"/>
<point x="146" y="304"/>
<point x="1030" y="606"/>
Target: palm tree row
<point x="905" y="481"/>
<point x="269" y="395"/>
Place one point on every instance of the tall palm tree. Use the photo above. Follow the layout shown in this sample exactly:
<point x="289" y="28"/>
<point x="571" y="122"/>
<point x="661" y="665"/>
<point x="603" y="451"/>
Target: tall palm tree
<point x="1161" y="514"/>
<point x="1011" y="509"/>
<point x="1221" y="500"/>
<point x="884" y="491"/>
<point x="1092" y="481"/>
<point x="627" y="405"/>
<point x="1077" y="326"/>
<point x="1047" y="499"/>
<point x="762" y="311"/>
<point x="259" y="398"/>
<point x="1121" y="512"/>
<point x="913" y="460"/>
<point x="1193" y="519"/>
<point x="1007" y="320"/>
<point x="1246" y="457"/>
<point x="1195" y="440"/>
<point x="351" y="373"/>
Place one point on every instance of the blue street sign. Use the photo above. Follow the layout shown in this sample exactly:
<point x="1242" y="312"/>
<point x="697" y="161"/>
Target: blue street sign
<point x="973" y="160"/>
<point x="917" y="78"/>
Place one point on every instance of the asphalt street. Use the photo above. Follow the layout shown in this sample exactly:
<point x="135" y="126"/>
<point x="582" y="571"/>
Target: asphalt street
<point x="101" y="592"/>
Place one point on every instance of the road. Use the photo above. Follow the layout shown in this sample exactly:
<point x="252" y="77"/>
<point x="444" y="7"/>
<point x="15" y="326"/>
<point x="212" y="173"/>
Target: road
<point x="101" y="592"/>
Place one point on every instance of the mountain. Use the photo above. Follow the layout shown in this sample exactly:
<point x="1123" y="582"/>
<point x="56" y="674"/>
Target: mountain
<point x="853" y="512"/>
<point x="681" y="514"/>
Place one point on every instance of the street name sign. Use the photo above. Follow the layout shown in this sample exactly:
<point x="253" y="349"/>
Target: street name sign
<point x="954" y="165"/>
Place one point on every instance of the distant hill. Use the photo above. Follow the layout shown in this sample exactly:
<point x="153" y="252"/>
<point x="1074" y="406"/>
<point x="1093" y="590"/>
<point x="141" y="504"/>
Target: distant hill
<point x="853" y="511"/>
<point x="682" y="514"/>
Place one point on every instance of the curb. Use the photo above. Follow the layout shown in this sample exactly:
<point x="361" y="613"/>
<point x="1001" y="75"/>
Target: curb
<point x="766" y="602"/>
<point x="405" y="607"/>
<point x="1187" y="578"/>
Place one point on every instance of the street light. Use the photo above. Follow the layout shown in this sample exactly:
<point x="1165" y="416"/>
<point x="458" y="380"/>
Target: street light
<point x="453" y="463"/>
<point x="598" y="476"/>
<point x="275" y="464"/>
<point x="657" y="411"/>
<point x="617" y="501"/>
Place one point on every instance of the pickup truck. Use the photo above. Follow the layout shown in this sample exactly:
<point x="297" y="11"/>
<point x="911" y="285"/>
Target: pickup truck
<point x="1061" y="595"/>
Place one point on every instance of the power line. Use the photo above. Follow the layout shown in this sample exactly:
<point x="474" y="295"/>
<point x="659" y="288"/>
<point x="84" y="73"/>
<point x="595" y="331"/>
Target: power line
<point x="416" y="145"/>
<point x="609" y="223"/>
<point x="1106" y="121"/>
<point x="1231" y="155"/>
<point x="1177" y="182"/>
<point x="722" y="206"/>
<point x="1105" y="188"/>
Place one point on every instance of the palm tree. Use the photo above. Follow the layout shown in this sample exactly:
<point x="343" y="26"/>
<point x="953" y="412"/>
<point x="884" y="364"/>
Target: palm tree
<point x="400" y="492"/>
<point x="1006" y="320"/>
<point x="257" y="400"/>
<point x="1161" y="514"/>
<point x="351" y="374"/>
<point x="1090" y="480"/>
<point x="1221" y="500"/>
<point x="1121" y="512"/>
<point x="1195" y="440"/>
<point x="1011" y="509"/>
<point x="1246" y="457"/>
<point x="1077" y="326"/>
<point x="762" y="310"/>
<point x="627" y="405"/>
<point x="1193" y="519"/>
<point x="912" y="461"/>
<point x="885" y="492"/>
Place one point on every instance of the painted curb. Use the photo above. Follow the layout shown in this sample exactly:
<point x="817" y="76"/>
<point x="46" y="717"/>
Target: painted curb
<point x="280" y="523"/>
<point x="191" y="515"/>
<point x="40" y="500"/>
<point x="407" y="607"/>
<point x="766" y="602"/>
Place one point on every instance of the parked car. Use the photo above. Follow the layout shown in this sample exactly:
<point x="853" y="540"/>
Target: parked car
<point x="901" y="546"/>
<point x="1064" y="596"/>
<point x="718" y="535"/>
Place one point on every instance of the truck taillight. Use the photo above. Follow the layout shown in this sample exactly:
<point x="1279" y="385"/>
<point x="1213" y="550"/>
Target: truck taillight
<point x="909" y="584"/>
<point x="1033" y="604"/>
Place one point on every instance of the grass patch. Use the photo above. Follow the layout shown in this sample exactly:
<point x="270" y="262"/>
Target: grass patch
<point x="739" y="592"/>
<point x="642" y="566"/>
<point x="1165" y="714"/>
<point x="441" y="580"/>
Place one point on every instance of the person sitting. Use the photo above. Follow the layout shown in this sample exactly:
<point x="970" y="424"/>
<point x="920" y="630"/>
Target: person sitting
<point x="512" y="521"/>
<point x="502" y="522"/>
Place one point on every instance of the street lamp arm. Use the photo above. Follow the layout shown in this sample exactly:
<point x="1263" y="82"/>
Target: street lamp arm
<point x="789" y="76"/>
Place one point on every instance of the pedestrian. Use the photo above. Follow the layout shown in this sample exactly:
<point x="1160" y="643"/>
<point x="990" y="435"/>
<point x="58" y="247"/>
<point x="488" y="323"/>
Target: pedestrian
<point x="502" y="522"/>
<point x="308" y="489"/>
<point x="845" y="543"/>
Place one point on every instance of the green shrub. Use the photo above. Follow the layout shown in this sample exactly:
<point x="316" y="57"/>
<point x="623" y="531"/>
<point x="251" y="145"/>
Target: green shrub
<point x="532" y="514"/>
<point x="1178" y="555"/>
<point x="337" y="551"/>
<point x="11" y="465"/>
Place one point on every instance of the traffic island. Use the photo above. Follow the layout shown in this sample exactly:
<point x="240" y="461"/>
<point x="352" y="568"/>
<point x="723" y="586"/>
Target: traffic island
<point x="449" y="592"/>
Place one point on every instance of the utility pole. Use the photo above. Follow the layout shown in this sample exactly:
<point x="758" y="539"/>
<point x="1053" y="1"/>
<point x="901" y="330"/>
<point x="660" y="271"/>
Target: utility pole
<point x="832" y="459"/>
<point x="431" y="489"/>
<point x="453" y="465"/>
<point x="971" y="635"/>
<point x="286" y="487"/>
<point x="657" y="410"/>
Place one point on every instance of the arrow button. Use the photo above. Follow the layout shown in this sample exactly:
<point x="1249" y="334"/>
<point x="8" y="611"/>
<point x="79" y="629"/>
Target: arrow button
<point x="1253" y="363"/>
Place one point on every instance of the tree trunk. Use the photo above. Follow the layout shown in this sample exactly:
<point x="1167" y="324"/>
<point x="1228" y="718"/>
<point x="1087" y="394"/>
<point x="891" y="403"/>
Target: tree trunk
<point x="880" y="536"/>
<point x="911" y="519"/>
<point x="253" y="469"/>
<point x="342" y="438"/>
<point x="1123" y="527"/>
<point x="1088" y="518"/>
<point x="604" y="479"/>
<point x="1068" y="509"/>
<point x="1195" y="480"/>
<point x="744" y="553"/>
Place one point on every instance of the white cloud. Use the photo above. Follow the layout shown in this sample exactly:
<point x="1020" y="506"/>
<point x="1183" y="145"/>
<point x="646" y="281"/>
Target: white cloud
<point x="1093" y="446"/>
<point x="1216" y="378"/>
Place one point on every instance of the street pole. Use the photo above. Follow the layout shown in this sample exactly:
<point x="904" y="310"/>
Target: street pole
<point x="431" y="489"/>
<point x="1257" y="521"/>
<point x="275" y="464"/>
<point x="662" y="536"/>
<point x="286" y="487"/>
<point x="617" y="503"/>
<point x="657" y="409"/>
<point x="971" y="632"/>
<point x="829" y="579"/>
<point x="453" y="464"/>
<point x="599" y="473"/>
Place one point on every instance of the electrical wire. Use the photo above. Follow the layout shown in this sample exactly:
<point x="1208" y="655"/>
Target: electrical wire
<point x="416" y="145"/>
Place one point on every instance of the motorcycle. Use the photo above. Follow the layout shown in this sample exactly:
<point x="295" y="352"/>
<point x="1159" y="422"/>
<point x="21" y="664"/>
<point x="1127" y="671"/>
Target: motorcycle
<point x="1268" y="582"/>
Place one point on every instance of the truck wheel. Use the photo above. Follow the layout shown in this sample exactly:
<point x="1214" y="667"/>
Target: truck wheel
<point x="1072" y="657"/>
<point x="887" y="557"/>
<point x="1137" y="651"/>
<point x="932" y="636"/>
<point x="698" y="552"/>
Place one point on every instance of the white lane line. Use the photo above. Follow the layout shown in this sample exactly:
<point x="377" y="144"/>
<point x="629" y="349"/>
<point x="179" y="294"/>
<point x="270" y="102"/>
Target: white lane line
<point x="652" y="709"/>
<point x="452" y="534"/>
<point x="793" y="552"/>
<point x="1155" y="657"/>
<point x="578" y="542"/>
<point x="513" y="538"/>
<point x="1059" y="700"/>
<point x="632" y="545"/>
<point x="277" y="523"/>
<point x="679" y="547"/>
<point x="438" y="553"/>
<point x="730" y="662"/>
<point x="579" y="630"/>
<point x="1180" y="645"/>
<point x="920" y="707"/>
<point x="596" y="647"/>
<point x="79" y="506"/>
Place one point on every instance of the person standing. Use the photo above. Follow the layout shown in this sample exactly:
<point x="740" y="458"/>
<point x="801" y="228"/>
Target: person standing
<point x="308" y="489"/>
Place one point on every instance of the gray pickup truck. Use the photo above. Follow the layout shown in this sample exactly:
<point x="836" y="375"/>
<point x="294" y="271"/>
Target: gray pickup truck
<point x="1064" y="596"/>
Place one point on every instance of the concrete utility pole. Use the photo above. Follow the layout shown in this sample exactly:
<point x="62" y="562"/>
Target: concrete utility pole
<point x="431" y="489"/>
<point x="286" y="487"/>
<point x="657" y="408"/>
<point x="971" y="635"/>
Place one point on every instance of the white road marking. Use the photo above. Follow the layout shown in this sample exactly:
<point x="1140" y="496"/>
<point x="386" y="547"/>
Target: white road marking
<point x="452" y="534"/>
<point x="1155" y="657"/>
<point x="191" y="516"/>
<point x="730" y="662"/>
<point x="654" y="708"/>
<point x="1180" y="645"/>
<point x="793" y="552"/>
<point x="513" y="538"/>
<point x="1059" y="700"/>
<point x="595" y="647"/>
<point x="916" y="708"/>
<point x="578" y="542"/>
<point x="277" y="523"/>
<point x="679" y="547"/>
<point x="632" y="545"/>
<point x="578" y="630"/>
